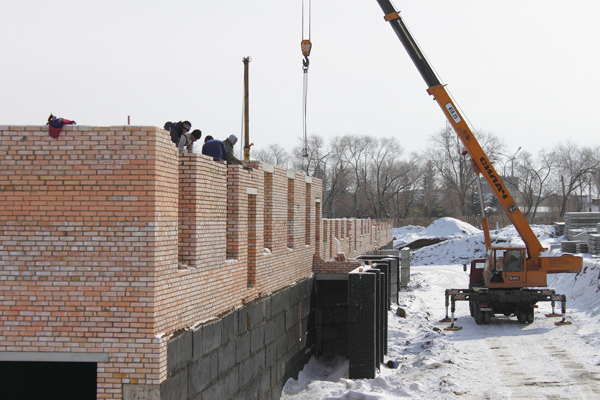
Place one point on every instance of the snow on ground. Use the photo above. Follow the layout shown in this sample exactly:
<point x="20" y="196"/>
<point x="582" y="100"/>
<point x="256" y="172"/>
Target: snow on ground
<point x="503" y="360"/>
<point x="443" y="228"/>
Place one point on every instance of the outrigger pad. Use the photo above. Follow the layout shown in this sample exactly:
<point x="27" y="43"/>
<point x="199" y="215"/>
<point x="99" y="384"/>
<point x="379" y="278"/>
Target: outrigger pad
<point x="563" y="323"/>
<point x="447" y="319"/>
<point x="553" y="315"/>
<point x="456" y="328"/>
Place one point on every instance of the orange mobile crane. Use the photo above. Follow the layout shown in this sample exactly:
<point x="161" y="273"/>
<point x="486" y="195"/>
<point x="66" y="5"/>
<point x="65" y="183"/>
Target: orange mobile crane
<point x="502" y="282"/>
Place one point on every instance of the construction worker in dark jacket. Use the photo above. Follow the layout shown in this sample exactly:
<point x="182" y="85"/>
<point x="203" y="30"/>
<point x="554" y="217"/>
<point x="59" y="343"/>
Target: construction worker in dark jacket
<point x="215" y="149"/>
<point x="178" y="129"/>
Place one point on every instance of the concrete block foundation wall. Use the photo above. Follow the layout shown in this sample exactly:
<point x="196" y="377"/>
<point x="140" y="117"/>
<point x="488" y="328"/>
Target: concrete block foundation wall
<point x="111" y="244"/>
<point x="247" y="354"/>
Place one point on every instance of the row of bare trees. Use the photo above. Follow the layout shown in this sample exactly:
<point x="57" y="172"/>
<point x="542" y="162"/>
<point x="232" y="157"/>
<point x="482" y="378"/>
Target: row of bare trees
<point x="364" y="176"/>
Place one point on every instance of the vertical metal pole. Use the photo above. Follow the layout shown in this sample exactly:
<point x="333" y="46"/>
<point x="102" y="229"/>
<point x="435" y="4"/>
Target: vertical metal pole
<point x="246" y="61"/>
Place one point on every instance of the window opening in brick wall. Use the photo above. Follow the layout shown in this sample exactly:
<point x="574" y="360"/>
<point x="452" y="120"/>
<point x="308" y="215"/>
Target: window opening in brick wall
<point x="348" y="231"/>
<point x="233" y="229"/>
<point x="268" y="211"/>
<point x="252" y="241"/>
<point x="48" y="380"/>
<point x="318" y="229"/>
<point x="325" y="238"/>
<point x="290" y="214"/>
<point x="307" y="216"/>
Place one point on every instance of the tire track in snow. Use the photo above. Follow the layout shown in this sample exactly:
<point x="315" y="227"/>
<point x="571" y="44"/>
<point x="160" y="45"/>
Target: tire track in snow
<point x="532" y="368"/>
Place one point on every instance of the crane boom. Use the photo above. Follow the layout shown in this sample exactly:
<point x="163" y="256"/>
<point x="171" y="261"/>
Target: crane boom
<point x="536" y="266"/>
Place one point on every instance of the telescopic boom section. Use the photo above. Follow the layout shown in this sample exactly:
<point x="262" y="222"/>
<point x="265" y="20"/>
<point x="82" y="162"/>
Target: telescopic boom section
<point x="480" y="161"/>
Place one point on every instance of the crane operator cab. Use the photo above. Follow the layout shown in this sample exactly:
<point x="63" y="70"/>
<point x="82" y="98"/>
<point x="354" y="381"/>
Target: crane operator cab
<point x="505" y="267"/>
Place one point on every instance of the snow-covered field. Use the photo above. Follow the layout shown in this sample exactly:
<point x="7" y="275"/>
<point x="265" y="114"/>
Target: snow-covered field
<point x="503" y="360"/>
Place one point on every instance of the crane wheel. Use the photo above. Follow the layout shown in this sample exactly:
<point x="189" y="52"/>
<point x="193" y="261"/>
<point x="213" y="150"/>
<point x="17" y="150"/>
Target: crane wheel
<point x="487" y="315"/>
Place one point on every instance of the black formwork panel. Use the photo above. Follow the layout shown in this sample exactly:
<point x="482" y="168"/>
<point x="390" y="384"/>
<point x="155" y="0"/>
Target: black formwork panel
<point x="362" y="323"/>
<point x="393" y="273"/>
<point x="331" y="317"/>
<point x="367" y="321"/>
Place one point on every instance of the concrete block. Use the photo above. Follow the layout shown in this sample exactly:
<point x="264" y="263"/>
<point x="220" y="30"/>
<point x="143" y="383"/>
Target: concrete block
<point x="214" y="391"/>
<point x="270" y="331"/>
<point x="267" y="309"/>
<point x="211" y="336"/>
<point x="257" y="312"/>
<point x="281" y="347"/>
<point x="292" y="338"/>
<point x="258" y="363"/>
<point x="230" y="384"/>
<point x="175" y="387"/>
<point x="226" y="356"/>
<point x="257" y="338"/>
<point x="242" y="348"/>
<point x="242" y="314"/>
<point x="279" y="324"/>
<point x="270" y="354"/>
<point x="197" y="351"/>
<point x="264" y="385"/>
<point x="245" y="372"/>
<point x="229" y="328"/>
<point x="141" y="392"/>
<point x="294" y="294"/>
<point x="291" y="317"/>
<point x="276" y="306"/>
<point x="202" y="373"/>
<point x="251" y="390"/>
<point x="179" y="353"/>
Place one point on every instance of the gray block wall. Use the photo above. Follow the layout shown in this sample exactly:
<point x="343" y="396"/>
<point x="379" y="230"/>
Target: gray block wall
<point x="247" y="354"/>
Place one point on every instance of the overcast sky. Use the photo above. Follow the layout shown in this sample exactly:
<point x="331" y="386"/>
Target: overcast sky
<point x="526" y="70"/>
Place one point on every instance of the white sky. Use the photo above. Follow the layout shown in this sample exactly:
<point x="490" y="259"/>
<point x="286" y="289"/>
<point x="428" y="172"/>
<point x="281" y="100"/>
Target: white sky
<point x="525" y="70"/>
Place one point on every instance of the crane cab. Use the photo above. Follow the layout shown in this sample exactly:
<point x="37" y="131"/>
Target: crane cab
<point x="505" y="267"/>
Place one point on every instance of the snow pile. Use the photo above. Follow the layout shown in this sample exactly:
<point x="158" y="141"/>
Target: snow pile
<point x="441" y="229"/>
<point x="503" y="360"/>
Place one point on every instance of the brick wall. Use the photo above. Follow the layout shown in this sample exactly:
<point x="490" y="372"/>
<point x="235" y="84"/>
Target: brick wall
<point x="110" y="242"/>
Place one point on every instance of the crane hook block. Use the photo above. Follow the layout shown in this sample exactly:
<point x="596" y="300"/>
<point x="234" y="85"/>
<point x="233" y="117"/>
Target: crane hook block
<point x="306" y="46"/>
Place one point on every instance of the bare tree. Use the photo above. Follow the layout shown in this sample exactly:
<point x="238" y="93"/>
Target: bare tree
<point x="317" y="154"/>
<point x="273" y="154"/>
<point x="385" y="173"/>
<point x="574" y="166"/>
<point x="430" y="195"/>
<point x="448" y="155"/>
<point x="407" y="185"/>
<point x="533" y="176"/>
<point x="358" y="152"/>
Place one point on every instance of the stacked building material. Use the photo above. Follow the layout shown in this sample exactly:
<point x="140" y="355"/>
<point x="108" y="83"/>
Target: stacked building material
<point x="582" y="247"/>
<point x="577" y="222"/>
<point x="559" y="228"/>
<point x="594" y="243"/>
<point x="569" y="246"/>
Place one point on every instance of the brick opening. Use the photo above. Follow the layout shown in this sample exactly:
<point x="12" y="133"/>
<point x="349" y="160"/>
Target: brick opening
<point x="268" y="211"/>
<point x="252" y="241"/>
<point x="290" y="214"/>
<point x="307" y="217"/>
<point x="48" y="380"/>
<point x="318" y="229"/>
